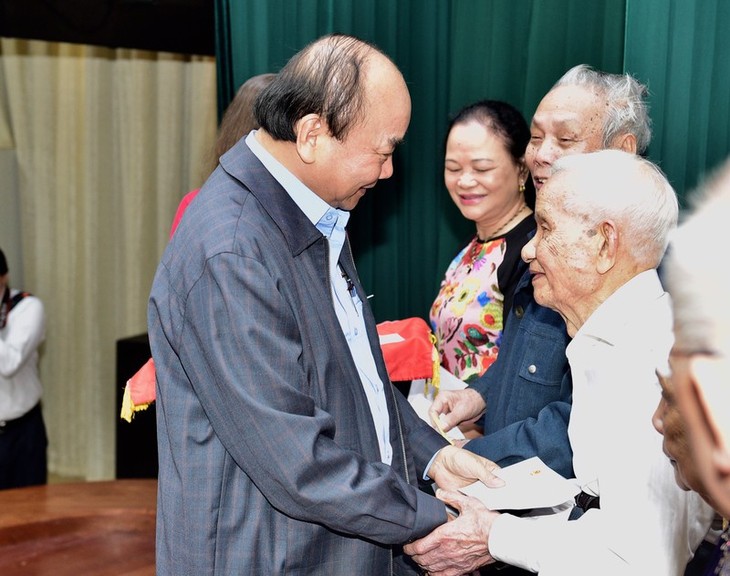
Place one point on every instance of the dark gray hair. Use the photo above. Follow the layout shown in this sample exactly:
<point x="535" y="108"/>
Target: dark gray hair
<point x="326" y="78"/>
<point x="628" y="112"/>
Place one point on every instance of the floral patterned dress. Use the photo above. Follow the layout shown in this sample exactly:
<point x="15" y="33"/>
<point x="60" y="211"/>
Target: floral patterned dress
<point x="467" y="315"/>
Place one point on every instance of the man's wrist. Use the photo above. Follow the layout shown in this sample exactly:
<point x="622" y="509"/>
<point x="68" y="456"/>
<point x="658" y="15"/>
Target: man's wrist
<point x="426" y="476"/>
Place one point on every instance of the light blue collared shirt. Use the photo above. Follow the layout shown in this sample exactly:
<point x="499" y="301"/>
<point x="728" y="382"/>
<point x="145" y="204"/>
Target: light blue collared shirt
<point x="331" y="223"/>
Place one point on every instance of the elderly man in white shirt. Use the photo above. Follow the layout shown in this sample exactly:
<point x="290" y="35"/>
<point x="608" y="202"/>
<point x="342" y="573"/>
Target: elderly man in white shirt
<point x="603" y="224"/>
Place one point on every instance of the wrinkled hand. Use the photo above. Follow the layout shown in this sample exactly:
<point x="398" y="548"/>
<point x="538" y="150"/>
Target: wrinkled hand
<point x="457" y="547"/>
<point x="457" y="406"/>
<point x="454" y="468"/>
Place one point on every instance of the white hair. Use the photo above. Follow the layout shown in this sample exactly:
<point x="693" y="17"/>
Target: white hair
<point x="698" y="283"/>
<point x="626" y="188"/>
<point x="627" y="111"/>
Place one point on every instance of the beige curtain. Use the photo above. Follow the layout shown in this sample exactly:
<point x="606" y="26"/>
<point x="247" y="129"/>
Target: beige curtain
<point x="107" y="142"/>
<point x="6" y="140"/>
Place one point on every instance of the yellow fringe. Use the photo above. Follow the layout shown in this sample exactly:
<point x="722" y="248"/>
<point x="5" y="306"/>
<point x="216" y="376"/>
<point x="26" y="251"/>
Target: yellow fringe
<point x="435" y="379"/>
<point x="128" y="407"/>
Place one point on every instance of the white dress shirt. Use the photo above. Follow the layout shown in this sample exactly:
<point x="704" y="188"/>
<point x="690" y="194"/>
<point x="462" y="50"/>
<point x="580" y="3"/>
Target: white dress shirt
<point x="20" y="386"/>
<point x="646" y="524"/>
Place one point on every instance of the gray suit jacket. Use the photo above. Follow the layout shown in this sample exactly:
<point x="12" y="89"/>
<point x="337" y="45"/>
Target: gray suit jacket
<point x="269" y="461"/>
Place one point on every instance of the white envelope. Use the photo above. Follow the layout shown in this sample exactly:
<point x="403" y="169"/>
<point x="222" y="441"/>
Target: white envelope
<point x="528" y="484"/>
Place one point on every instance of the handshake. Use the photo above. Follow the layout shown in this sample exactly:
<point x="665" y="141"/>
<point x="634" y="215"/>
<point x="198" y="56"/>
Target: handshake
<point x="460" y="546"/>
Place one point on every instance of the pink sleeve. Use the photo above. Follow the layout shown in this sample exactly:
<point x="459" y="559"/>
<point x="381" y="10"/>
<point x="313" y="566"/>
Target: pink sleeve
<point x="181" y="209"/>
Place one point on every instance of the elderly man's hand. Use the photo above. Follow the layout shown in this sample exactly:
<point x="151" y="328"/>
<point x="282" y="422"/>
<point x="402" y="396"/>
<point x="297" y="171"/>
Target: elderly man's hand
<point x="457" y="407"/>
<point x="457" y="547"/>
<point x="454" y="468"/>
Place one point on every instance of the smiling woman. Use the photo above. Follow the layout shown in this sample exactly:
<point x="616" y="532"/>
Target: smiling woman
<point x="487" y="179"/>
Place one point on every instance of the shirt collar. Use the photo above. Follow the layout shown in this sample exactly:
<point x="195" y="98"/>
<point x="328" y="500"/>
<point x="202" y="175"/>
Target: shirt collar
<point x="312" y="205"/>
<point x="608" y="321"/>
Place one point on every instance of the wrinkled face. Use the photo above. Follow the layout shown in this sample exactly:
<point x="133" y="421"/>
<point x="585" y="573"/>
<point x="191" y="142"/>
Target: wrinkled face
<point x="561" y="255"/>
<point x="701" y="388"/>
<point x="569" y="120"/>
<point x="480" y="174"/>
<point x="670" y="424"/>
<point x="355" y="165"/>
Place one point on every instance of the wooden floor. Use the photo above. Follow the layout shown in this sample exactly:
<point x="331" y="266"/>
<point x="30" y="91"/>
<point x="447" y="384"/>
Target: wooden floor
<point x="79" y="529"/>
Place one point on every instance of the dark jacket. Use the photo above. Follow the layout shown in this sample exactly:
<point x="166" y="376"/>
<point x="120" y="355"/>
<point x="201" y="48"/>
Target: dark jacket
<point x="269" y="460"/>
<point x="528" y="389"/>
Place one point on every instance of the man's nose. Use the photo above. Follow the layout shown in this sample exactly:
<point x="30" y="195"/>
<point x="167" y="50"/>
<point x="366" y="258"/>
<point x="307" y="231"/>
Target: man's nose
<point x="528" y="251"/>
<point x="657" y="419"/>
<point x="386" y="170"/>
<point x="546" y="152"/>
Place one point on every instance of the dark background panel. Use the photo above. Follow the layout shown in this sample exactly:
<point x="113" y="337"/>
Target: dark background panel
<point x="183" y="26"/>
<point x="136" y="443"/>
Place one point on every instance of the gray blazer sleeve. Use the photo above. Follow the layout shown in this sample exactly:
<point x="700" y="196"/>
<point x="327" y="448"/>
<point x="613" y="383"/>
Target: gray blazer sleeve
<point x="251" y="376"/>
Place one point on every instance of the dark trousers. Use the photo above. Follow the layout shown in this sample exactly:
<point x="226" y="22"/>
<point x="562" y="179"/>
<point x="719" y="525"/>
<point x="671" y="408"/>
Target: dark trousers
<point x="704" y="560"/>
<point x="23" y="444"/>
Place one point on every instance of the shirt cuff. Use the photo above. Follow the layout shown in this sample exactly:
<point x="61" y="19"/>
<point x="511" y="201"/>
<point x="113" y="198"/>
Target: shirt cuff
<point x="513" y="540"/>
<point x="426" y="477"/>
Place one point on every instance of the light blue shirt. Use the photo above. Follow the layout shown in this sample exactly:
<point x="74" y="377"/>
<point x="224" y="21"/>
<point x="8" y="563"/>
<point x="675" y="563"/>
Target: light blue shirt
<point x="331" y="223"/>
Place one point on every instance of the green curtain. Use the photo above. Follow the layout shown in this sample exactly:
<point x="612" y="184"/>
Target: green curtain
<point x="453" y="52"/>
<point x="682" y="50"/>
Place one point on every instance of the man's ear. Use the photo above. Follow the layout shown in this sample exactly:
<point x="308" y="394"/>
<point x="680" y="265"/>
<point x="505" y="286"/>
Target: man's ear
<point x="625" y="142"/>
<point x="308" y="130"/>
<point x="709" y="378"/>
<point x="608" y="241"/>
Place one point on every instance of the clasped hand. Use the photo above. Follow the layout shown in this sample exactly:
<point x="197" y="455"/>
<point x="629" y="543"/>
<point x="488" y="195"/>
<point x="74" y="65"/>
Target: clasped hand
<point x="460" y="545"/>
<point x="454" y="468"/>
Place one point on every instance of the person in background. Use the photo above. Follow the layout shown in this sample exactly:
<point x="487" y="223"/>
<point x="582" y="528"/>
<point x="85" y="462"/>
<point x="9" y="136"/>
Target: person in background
<point x="238" y="120"/>
<point x="23" y="440"/>
<point x="487" y="179"/>
<point x="283" y="446"/>
<point x="523" y="401"/>
<point x="699" y="384"/>
<point x="603" y="222"/>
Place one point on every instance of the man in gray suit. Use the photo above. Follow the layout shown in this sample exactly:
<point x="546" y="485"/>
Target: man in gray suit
<point x="283" y="446"/>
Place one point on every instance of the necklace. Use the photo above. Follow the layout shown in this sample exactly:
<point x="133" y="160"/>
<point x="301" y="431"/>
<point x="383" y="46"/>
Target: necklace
<point x="504" y="226"/>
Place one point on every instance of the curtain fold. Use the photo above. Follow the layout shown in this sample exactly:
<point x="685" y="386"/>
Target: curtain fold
<point x="682" y="50"/>
<point x="107" y="142"/>
<point x="6" y="138"/>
